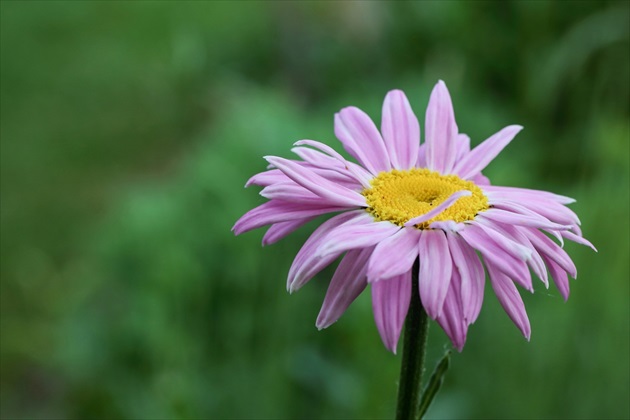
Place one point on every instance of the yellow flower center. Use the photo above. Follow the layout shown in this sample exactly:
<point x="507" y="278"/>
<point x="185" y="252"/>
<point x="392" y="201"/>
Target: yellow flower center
<point x="399" y="196"/>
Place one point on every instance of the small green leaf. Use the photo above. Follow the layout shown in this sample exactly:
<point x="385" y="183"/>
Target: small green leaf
<point x="435" y="382"/>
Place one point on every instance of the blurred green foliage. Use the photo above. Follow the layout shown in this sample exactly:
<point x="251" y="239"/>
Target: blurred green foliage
<point x="129" y="128"/>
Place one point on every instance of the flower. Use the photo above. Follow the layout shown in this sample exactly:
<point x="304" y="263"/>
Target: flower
<point x="405" y="201"/>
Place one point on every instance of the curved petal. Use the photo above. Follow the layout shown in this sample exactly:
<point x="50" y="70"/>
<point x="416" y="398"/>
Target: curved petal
<point x="394" y="255"/>
<point x="472" y="276"/>
<point x="496" y="254"/>
<point x="440" y="130"/>
<point x="279" y="230"/>
<point x="435" y="271"/>
<point x="401" y="131"/>
<point x="524" y="194"/>
<point x="390" y="303"/>
<point x="479" y="157"/>
<point x="355" y="236"/>
<point x="347" y="283"/>
<point x="343" y="166"/>
<point x="361" y="139"/>
<point x="546" y="247"/>
<point x="452" y="319"/>
<point x="275" y="211"/>
<point x="307" y="263"/>
<point x="440" y="208"/>
<point x="510" y="299"/>
<point x="559" y="277"/>
<point x="462" y="145"/>
<point x="332" y="192"/>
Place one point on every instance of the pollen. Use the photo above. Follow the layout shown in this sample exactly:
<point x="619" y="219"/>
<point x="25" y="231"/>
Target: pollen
<point x="399" y="196"/>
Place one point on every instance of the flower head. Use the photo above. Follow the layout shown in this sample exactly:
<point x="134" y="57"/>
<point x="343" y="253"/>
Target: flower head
<point x="406" y="201"/>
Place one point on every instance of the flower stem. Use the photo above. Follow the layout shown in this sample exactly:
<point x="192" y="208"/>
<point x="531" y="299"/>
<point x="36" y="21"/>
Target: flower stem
<point x="414" y="348"/>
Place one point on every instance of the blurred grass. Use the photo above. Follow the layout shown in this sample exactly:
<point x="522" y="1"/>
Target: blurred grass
<point x="127" y="133"/>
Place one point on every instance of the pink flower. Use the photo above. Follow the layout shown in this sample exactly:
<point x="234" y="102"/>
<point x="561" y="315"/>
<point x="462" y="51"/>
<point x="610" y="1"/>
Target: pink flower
<point x="405" y="201"/>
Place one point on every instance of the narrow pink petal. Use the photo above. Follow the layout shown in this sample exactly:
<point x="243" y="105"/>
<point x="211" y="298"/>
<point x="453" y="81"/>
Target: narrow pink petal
<point x="462" y="145"/>
<point x="441" y="130"/>
<point x="472" y="276"/>
<point x="497" y="255"/>
<point x="347" y="283"/>
<point x="524" y="194"/>
<point x="390" y="303"/>
<point x="578" y="239"/>
<point x="509" y="298"/>
<point x="361" y="139"/>
<point x="548" y="209"/>
<point x="516" y="234"/>
<point x="319" y="185"/>
<point x="306" y="263"/>
<point x="452" y="319"/>
<point x="394" y="255"/>
<point x="480" y="179"/>
<point x="292" y="192"/>
<point x="275" y="211"/>
<point x="512" y="213"/>
<point x="559" y="276"/>
<point x="356" y="236"/>
<point x="401" y="131"/>
<point x="352" y="169"/>
<point x="510" y="246"/>
<point x="278" y="231"/>
<point x="479" y="157"/>
<point x="546" y="247"/>
<point x="267" y="178"/>
<point x="422" y="156"/>
<point x="439" y="209"/>
<point x="447" y="226"/>
<point x="436" y="267"/>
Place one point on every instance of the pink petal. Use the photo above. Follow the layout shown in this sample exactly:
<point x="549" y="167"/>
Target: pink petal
<point x="472" y="276"/>
<point x="452" y="320"/>
<point x="390" y="303"/>
<point x="343" y="166"/>
<point x="361" y="139"/>
<point x="332" y="192"/>
<point x="435" y="271"/>
<point x="292" y="192"/>
<point x="347" y="283"/>
<point x="267" y="178"/>
<point x="578" y="239"/>
<point x="440" y="208"/>
<point x="275" y="211"/>
<point x="479" y="157"/>
<point x="510" y="246"/>
<point x="441" y="130"/>
<point x="497" y="255"/>
<point x="546" y="247"/>
<point x="462" y="145"/>
<point x="394" y="255"/>
<point x="516" y="234"/>
<point x="356" y="236"/>
<point x="524" y="194"/>
<point x="515" y="214"/>
<point x="307" y="263"/>
<point x="509" y="298"/>
<point x="548" y="209"/>
<point x="559" y="277"/>
<point x="401" y="131"/>
<point x="278" y="231"/>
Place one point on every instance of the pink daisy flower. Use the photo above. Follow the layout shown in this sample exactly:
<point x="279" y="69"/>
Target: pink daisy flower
<point x="406" y="201"/>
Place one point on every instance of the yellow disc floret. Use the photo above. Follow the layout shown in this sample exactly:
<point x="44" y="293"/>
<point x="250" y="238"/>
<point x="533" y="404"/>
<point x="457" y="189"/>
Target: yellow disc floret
<point x="399" y="196"/>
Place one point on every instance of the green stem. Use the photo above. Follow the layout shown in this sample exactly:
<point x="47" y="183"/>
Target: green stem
<point x="414" y="348"/>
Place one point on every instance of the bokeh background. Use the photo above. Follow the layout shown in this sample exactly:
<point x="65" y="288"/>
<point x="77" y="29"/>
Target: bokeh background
<point x="128" y="130"/>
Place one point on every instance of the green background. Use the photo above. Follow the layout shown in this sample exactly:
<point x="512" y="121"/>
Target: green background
<point x="129" y="129"/>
